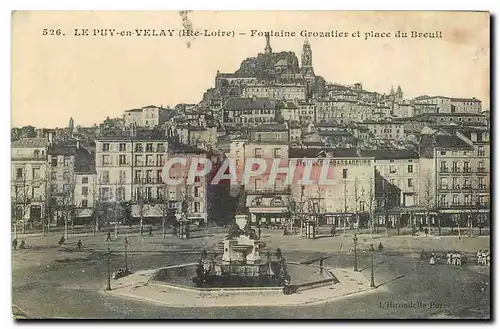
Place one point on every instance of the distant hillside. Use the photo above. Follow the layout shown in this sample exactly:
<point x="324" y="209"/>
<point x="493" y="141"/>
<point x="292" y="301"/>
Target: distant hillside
<point x="262" y="65"/>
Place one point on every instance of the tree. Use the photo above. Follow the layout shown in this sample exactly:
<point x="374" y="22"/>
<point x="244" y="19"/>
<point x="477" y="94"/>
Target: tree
<point x="142" y="205"/>
<point x="427" y="199"/>
<point x="163" y="205"/>
<point x="66" y="203"/>
<point x="371" y="203"/>
<point x="96" y="204"/>
<point x="357" y="198"/>
<point x="314" y="205"/>
<point x="20" y="201"/>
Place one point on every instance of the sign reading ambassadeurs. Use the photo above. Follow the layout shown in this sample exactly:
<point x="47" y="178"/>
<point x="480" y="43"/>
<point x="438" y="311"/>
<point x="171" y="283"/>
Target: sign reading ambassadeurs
<point x="306" y="171"/>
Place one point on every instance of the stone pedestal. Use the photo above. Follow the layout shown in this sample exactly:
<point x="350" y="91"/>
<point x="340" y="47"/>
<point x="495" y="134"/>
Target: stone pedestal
<point x="241" y="221"/>
<point x="183" y="229"/>
<point x="310" y="229"/>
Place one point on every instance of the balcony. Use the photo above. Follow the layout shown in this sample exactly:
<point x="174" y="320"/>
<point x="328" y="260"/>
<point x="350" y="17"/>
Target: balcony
<point x="467" y="170"/>
<point x="269" y="191"/>
<point x="443" y="187"/>
<point x="482" y="187"/>
<point x="481" y="170"/>
<point x="455" y="169"/>
<point x="443" y="169"/>
<point x="147" y="180"/>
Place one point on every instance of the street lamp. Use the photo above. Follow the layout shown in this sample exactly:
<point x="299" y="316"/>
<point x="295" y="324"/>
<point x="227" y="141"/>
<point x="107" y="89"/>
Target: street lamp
<point x="109" y="269"/>
<point x="126" y="249"/>
<point x="372" y="281"/>
<point x="355" y="240"/>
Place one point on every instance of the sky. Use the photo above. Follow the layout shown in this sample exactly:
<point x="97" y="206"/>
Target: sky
<point x="55" y="77"/>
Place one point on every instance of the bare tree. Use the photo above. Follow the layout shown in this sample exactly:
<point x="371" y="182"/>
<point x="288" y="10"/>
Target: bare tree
<point x="66" y="203"/>
<point x="371" y="203"/>
<point x="427" y="200"/>
<point x="142" y="205"/>
<point x="96" y="204"/>
<point x="357" y="198"/>
<point x="295" y="207"/>
<point x="163" y="205"/>
<point x="20" y="201"/>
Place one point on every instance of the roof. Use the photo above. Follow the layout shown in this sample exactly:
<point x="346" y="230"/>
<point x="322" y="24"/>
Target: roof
<point x="305" y="153"/>
<point x="62" y="149"/>
<point x="179" y="148"/>
<point x="234" y="75"/>
<point x="473" y="99"/>
<point x="270" y="127"/>
<point x="140" y="135"/>
<point x="388" y="154"/>
<point x="29" y="143"/>
<point x="241" y="104"/>
<point x="343" y="152"/>
<point x="134" y="110"/>
<point x="449" y="141"/>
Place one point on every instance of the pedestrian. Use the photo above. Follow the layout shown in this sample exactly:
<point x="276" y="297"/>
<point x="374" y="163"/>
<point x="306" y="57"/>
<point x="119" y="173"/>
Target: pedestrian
<point x="380" y="247"/>
<point x="151" y="231"/>
<point x="14" y="244"/>
<point x="459" y="259"/>
<point x="448" y="258"/>
<point x="62" y="240"/>
<point x="259" y="232"/>
<point x="423" y="255"/>
<point x="479" y="256"/>
<point x="483" y="257"/>
<point x="432" y="261"/>
<point x="23" y="245"/>
<point x="79" y="245"/>
<point x="108" y="238"/>
<point x="453" y="258"/>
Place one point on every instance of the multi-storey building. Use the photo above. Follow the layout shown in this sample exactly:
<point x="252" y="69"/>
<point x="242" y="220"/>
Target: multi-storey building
<point x="277" y="92"/>
<point x="148" y="117"/>
<point x="249" y="111"/>
<point x="440" y="104"/>
<point x="455" y="176"/>
<point x="29" y="180"/>
<point x="397" y="173"/>
<point x="129" y="168"/>
<point x="386" y="129"/>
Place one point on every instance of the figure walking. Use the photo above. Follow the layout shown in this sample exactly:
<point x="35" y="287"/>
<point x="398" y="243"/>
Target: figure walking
<point x="448" y="258"/>
<point x="453" y="258"/>
<point x="459" y="259"/>
<point x="151" y="231"/>
<point x="79" y="245"/>
<point x="23" y="245"/>
<point x="479" y="257"/>
<point x="14" y="244"/>
<point x="483" y="257"/>
<point x="108" y="238"/>
<point x="62" y="240"/>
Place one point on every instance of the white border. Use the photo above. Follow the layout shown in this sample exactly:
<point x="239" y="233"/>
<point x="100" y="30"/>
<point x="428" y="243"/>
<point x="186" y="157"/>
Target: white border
<point x="7" y="6"/>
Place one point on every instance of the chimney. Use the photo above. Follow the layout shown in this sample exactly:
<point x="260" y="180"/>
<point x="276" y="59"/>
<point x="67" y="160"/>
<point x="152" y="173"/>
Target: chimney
<point x="50" y="137"/>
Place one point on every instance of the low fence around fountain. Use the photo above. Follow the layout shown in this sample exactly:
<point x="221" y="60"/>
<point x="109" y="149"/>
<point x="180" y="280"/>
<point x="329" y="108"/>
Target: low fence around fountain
<point x="179" y="276"/>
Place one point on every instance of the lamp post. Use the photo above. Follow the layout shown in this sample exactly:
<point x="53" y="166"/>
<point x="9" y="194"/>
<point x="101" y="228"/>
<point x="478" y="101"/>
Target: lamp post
<point x="126" y="249"/>
<point x="355" y="240"/>
<point x="109" y="269"/>
<point x="372" y="281"/>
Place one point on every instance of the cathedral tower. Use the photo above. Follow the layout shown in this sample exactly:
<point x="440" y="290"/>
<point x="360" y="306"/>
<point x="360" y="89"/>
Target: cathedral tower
<point x="307" y="68"/>
<point x="268" y="50"/>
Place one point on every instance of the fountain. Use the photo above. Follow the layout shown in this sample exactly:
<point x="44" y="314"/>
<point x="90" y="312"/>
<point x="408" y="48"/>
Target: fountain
<point x="241" y="264"/>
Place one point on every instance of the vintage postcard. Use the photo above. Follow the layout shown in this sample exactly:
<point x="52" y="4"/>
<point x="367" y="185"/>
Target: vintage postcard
<point x="250" y="165"/>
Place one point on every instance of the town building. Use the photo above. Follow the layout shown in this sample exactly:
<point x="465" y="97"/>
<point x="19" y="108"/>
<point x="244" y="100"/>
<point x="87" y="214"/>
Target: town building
<point x="277" y="92"/>
<point x="147" y="117"/>
<point x="393" y="129"/>
<point x="252" y="111"/>
<point x="29" y="180"/>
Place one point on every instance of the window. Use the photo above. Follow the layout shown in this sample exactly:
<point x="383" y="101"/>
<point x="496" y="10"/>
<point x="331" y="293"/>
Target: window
<point x="138" y="160"/>
<point x="197" y="193"/>
<point x="197" y="179"/>
<point x="480" y="150"/>
<point x="106" y="160"/>
<point x="443" y="152"/>
<point x="159" y="178"/>
<point x="277" y="153"/>
<point x="123" y="147"/>
<point x="137" y="177"/>
<point x="258" y="153"/>
<point x="171" y="194"/>
<point x="36" y="173"/>
<point x="160" y="147"/>
<point x="410" y="182"/>
<point x="149" y="193"/>
<point x="410" y="169"/>
<point x="149" y="147"/>
<point x="149" y="176"/>
<point x="456" y="185"/>
<point x="455" y="166"/>
<point x="19" y="173"/>
<point x="85" y="190"/>
<point x="392" y="169"/>
<point x="123" y="177"/>
<point x="84" y="204"/>
<point x="480" y="183"/>
<point x="85" y="180"/>
<point x="468" y="199"/>
<point x="197" y="207"/>
<point x="54" y="162"/>
<point x="455" y="199"/>
<point x="444" y="183"/>
<point x="159" y="160"/>
<point x="467" y="183"/>
<point x="466" y="166"/>
<point x="444" y="167"/>
<point x="138" y="147"/>
<point x="105" y="147"/>
<point x="105" y="194"/>
<point x="122" y="160"/>
<point x="53" y="175"/>
<point x="105" y="177"/>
